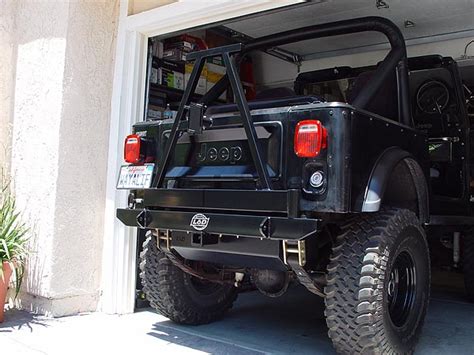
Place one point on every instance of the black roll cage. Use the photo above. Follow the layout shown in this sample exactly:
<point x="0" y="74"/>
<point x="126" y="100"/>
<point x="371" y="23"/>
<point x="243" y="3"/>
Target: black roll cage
<point x="396" y="59"/>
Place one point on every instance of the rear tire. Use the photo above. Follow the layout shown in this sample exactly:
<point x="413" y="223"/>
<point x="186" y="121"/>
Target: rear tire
<point x="177" y="295"/>
<point x="378" y="284"/>
<point x="468" y="261"/>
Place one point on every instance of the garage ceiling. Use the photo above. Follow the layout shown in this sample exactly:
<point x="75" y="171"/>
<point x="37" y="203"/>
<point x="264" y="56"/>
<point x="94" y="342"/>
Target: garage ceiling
<point x="433" y="20"/>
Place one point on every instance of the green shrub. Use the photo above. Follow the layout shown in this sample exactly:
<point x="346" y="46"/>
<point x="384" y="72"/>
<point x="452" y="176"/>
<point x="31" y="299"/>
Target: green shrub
<point x="13" y="237"/>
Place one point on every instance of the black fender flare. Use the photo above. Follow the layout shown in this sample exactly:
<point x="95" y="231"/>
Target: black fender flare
<point x="380" y="175"/>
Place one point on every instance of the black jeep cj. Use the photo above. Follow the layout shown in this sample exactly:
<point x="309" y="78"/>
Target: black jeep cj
<point x="336" y="191"/>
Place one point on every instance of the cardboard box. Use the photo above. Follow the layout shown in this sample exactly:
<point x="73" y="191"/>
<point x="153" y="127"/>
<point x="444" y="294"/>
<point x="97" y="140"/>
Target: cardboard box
<point x="176" y="54"/>
<point x="157" y="49"/>
<point x="185" y="42"/>
<point x="154" y="114"/>
<point x="214" y="74"/>
<point x="201" y="87"/>
<point x="218" y="60"/>
<point x="156" y="99"/>
<point x="154" y="76"/>
<point x="171" y="74"/>
<point x="177" y="48"/>
<point x="185" y="45"/>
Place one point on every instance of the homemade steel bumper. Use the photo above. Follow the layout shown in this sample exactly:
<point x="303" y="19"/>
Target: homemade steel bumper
<point x="280" y="228"/>
<point x="240" y="228"/>
<point x="257" y="214"/>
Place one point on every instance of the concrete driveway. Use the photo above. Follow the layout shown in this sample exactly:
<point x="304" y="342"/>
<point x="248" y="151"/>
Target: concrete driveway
<point x="293" y="323"/>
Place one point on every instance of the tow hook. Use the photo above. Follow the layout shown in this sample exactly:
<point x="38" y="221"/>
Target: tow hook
<point x="294" y="255"/>
<point x="297" y="248"/>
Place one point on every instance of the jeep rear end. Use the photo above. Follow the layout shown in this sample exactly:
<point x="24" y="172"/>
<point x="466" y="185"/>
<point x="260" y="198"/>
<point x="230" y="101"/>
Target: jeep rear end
<point x="254" y="192"/>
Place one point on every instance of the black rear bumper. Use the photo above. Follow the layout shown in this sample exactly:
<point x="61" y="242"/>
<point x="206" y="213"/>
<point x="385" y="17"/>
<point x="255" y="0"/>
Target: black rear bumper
<point x="257" y="214"/>
<point x="279" y="228"/>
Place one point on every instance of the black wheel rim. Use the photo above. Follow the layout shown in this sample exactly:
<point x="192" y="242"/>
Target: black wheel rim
<point x="401" y="289"/>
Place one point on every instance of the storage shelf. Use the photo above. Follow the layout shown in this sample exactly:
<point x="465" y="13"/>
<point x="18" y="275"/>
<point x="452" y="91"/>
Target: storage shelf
<point x="174" y="94"/>
<point x="170" y="92"/>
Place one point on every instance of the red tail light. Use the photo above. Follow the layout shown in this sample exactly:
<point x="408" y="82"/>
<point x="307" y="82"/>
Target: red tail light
<point x="310" y="138"/>
<point x="132" y="149"/>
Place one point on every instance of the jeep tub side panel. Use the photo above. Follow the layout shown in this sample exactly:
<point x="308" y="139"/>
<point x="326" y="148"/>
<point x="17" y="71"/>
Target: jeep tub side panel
<point x="390" y="165"/>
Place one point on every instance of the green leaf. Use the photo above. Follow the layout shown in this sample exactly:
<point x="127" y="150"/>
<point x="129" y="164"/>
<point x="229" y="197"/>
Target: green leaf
<point x="13" y="235"/>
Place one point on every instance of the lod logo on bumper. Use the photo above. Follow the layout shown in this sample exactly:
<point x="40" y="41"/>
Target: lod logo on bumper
<point x="199" y="222"/>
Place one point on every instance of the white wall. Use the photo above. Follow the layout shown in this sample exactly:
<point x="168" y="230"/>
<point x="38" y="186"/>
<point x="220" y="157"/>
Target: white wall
<point x="271" y="72"/>
<point x="60" y="94"/>
<point x="37" y="105"/>
<point x="7" y="53"/>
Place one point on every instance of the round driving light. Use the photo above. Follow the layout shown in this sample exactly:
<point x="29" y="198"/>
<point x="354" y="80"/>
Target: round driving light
<point x="317" y="179"/>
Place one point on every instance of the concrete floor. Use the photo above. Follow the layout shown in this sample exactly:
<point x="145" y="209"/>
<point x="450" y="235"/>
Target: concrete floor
<point x="293" y="323"/>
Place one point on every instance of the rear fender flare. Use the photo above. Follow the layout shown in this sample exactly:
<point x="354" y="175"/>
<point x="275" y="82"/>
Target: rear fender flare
<point x="380" y="176"/>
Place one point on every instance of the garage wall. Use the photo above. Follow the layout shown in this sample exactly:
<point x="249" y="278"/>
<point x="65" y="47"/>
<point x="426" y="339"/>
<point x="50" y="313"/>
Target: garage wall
<point x="273" y="72"/>
<point x="61" y="66"/>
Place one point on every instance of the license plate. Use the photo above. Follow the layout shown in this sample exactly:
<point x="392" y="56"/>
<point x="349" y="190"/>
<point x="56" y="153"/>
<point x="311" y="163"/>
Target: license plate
<point x="135" y="176"/>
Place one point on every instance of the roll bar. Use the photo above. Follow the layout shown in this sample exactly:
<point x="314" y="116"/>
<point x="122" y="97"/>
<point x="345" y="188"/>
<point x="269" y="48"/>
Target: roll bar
<point x="190" y="116"/>
<point x="396" y="59"/>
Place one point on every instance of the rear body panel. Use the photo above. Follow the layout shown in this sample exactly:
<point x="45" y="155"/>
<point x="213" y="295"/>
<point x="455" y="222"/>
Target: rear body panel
<point x="220" y="160"/>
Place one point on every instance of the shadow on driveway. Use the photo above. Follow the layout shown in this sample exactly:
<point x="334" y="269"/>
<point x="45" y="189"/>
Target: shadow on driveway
<point x="16" y="320"/>
<point x="294" y="323"/>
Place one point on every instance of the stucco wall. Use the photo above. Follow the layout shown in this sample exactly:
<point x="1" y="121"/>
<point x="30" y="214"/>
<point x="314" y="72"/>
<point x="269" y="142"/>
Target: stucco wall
<point x="7" y="8"/>
<point x="60" y="99"/>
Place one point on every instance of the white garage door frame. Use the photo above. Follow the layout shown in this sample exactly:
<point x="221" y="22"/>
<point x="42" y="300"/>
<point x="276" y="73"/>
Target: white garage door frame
<point x="119" y="255"/>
